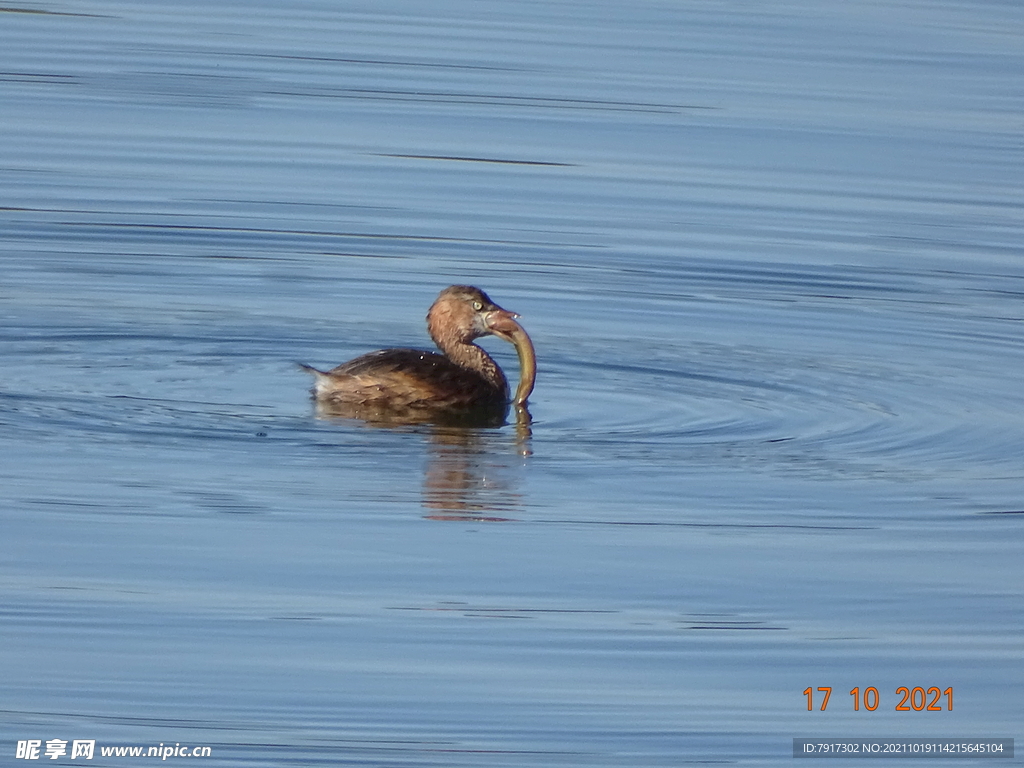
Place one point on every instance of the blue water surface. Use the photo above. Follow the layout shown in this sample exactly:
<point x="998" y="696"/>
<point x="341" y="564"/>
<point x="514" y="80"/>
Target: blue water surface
<point x="771" y="259"/>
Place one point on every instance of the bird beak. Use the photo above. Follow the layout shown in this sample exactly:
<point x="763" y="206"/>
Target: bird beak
<point x="504" y="325"/>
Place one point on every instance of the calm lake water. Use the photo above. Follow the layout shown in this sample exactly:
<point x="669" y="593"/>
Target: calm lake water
<point x="772" y="259"/>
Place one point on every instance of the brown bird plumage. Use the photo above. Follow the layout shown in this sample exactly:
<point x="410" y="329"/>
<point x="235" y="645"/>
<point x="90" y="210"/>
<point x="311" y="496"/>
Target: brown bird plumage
<point x="410" y="384"/>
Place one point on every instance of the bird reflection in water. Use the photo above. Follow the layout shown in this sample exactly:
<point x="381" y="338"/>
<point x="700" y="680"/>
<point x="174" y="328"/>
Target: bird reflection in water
<point x="458" y="395"/>
<point x="468" y="478"/>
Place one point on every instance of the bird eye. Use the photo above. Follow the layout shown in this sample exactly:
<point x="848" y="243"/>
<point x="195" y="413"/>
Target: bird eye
<point x="477" y="306"/>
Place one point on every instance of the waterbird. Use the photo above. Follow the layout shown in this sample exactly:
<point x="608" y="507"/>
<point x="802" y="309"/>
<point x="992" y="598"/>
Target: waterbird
<point x="415" y="385"/>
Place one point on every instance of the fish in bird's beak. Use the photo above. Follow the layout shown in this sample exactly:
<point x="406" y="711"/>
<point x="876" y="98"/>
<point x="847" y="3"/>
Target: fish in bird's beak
<point x="504" y="325"/>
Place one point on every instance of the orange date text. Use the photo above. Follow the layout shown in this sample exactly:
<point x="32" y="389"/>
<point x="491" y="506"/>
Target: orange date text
<point x="911" y="699"/>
